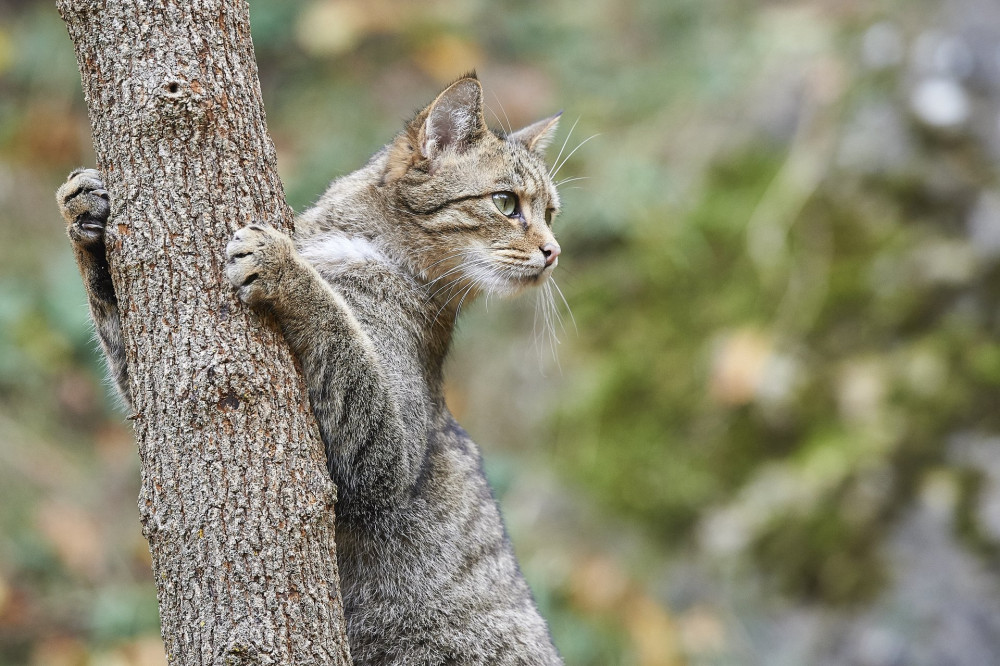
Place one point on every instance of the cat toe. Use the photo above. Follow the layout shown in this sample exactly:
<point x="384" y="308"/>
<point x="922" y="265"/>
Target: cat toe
<point x="256" y="257"/>
<point x="85" y="205"/>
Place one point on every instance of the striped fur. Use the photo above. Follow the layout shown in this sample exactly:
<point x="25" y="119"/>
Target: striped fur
<point x="367" y="294"/>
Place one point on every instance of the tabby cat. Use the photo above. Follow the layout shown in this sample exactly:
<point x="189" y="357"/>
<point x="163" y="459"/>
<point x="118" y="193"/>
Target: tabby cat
<point x="367" y="294"/>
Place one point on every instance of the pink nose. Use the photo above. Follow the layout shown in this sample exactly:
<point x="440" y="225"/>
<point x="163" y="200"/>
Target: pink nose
<point x="551" y="252"/>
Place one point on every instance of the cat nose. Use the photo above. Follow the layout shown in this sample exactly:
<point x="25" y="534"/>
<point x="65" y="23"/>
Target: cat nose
<point x="551" y="252"/>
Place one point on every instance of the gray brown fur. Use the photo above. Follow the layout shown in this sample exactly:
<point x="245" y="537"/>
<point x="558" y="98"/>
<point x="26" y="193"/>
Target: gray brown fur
<point x="84" y="205"/>
<point x="367" y="295"/>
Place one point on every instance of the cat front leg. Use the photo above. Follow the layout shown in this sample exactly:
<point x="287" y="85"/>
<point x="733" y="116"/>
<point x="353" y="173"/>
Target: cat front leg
<point x="351" y="396"/>
<point x="84" y="204"/>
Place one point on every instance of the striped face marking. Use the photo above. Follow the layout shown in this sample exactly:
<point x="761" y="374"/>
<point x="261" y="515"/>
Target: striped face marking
<point x="478" y="205"/>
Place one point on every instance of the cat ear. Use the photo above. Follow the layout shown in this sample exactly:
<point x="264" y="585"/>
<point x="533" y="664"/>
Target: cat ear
<point x="537" y="136"/>
<point x="453" y="120"/>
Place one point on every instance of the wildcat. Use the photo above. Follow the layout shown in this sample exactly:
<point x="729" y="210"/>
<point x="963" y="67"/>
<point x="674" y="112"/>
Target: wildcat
<point x="366" y="294"/>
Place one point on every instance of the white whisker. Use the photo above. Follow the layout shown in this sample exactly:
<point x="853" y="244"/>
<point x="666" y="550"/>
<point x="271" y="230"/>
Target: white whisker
<point x="499" y="122"/>
<point x="570" y="180"/>
<point x="566" y="303"/>
<point x="566" y="159"/>
<point x="458" y="310"/>
<point x="510" y="128"/>
<point x="561" y="149"/>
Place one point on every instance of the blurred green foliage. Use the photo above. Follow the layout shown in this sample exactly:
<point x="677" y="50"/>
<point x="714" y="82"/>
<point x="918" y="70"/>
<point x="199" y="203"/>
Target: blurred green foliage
<point x="783" y="311"/>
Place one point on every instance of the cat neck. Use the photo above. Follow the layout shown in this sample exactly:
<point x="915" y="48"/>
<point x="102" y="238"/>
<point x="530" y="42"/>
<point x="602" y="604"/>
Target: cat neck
<point x="356" y="218"/>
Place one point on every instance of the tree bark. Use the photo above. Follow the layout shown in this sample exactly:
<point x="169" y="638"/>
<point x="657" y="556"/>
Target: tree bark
<point x="236" y="502"/>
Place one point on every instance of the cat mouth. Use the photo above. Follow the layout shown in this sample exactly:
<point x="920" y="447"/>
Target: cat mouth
<point x="537" y="277"/>
<point x="513" y="275"/>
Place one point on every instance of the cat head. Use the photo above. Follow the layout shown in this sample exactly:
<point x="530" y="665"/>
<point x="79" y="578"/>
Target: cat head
<point x="477" y="205"/>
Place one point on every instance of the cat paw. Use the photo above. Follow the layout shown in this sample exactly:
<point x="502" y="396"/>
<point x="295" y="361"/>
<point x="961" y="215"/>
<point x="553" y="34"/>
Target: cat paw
<point x="257" y="257"/>
<point x="84" y="204"/>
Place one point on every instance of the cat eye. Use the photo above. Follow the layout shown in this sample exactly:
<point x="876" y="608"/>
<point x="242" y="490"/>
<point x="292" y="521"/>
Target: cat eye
<point x="549" y="213"/>
<point x="506" y="203"/>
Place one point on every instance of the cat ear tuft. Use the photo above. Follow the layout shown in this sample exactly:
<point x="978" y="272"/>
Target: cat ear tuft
<point x="536" y="137"/>
<point x="454" y="120"/>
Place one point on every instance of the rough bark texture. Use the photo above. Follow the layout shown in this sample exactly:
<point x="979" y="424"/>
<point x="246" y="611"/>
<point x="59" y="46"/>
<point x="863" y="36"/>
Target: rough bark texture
<point x="235" y="501"/>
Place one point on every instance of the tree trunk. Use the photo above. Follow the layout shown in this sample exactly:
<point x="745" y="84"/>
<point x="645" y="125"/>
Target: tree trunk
<point x="236" y="502"/>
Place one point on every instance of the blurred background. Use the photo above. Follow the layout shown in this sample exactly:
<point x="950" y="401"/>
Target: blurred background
<point x="768" y="432"/>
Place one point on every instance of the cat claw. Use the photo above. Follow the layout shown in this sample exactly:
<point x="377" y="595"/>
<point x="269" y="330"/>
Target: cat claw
<point x="254" y="256"/>
<point x="85" y="205"/>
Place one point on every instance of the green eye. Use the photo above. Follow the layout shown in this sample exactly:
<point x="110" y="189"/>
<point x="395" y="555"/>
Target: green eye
<point x="548" y="216"/>
<point x="506" y="203"/>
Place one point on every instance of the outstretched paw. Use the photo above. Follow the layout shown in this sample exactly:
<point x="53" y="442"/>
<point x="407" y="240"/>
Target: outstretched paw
<point x="258" y="256"/>
<point x="85" y="206"/>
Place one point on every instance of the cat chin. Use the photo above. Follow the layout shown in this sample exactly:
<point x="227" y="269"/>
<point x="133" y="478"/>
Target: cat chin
<point x="514" y="287"/>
